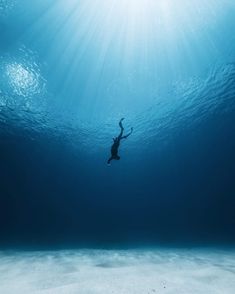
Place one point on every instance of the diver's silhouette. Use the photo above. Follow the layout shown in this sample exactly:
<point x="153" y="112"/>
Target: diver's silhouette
<point x="116" y="143"/>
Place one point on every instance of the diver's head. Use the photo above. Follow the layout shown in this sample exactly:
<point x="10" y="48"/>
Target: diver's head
<point x="117" y="157"/>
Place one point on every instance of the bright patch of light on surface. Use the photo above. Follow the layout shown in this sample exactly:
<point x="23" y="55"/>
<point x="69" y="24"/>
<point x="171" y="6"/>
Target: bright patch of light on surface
<point x="6" y="5"/>
<point x="22" y="79"/>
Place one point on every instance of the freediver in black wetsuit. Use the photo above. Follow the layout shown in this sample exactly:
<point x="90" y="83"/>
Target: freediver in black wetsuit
<point x="116" y="143"/>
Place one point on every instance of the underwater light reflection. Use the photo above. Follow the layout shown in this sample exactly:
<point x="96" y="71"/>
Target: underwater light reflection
<point x="22" y="79"/>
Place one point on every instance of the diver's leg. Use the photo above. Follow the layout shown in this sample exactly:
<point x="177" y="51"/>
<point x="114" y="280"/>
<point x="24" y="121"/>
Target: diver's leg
<point x="120" y="123"/>
<point x="126" y="136"/>
<point x="122" y="129"/>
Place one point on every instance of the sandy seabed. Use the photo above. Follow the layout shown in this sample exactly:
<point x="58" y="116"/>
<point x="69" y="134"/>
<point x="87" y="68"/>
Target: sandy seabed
<point x="168" y="271"/>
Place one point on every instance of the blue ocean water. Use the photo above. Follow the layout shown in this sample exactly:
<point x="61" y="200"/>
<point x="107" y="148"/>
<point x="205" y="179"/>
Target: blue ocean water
<point x="69" y="70"/>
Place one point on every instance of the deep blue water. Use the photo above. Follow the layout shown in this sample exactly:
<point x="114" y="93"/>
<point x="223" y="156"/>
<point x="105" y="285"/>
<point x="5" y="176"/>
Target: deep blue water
<point x="69" y="70"/>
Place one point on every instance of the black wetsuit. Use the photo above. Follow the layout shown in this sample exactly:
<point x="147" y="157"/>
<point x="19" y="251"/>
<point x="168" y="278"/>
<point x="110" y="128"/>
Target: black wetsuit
<point x="116" y="144"/>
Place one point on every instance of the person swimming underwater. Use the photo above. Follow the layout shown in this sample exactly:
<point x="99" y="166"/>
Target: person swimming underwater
<point x="116" y="143"/>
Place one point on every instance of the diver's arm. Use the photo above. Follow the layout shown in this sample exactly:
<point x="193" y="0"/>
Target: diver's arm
<point x="111" y="158"/>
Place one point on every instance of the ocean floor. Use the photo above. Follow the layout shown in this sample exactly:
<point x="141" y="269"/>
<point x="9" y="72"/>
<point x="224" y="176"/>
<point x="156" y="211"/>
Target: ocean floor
<point x="155" y="271"/>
